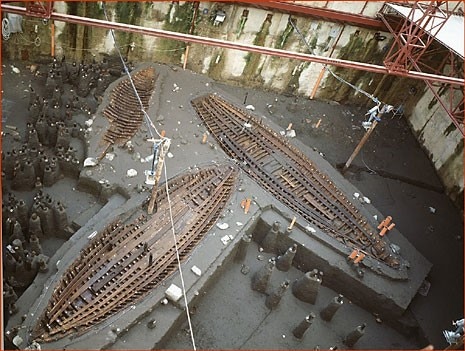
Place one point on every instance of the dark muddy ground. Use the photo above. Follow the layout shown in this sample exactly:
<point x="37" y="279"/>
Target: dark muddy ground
<point x="392" y="170"/>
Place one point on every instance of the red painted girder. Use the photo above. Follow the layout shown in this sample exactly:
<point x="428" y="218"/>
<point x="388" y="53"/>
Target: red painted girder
<point x="448" y="107"/>
<point x="42" y="9"/>
<point x="189" y="38"/>
<point x="323" y="13"/>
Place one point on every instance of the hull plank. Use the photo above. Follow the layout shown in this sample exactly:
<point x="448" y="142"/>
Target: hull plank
<point x="291" y="177"/>
<point x="124" y="111"/>
<point x="131" y="256"/>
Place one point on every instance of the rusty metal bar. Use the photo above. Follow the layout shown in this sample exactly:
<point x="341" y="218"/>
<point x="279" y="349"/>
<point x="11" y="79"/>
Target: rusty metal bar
<point x="188" y="38"/>
<point x="42" y="9"/>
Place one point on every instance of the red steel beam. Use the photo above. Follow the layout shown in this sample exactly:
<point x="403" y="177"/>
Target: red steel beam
<point x="450" y="109"/>
<point x="318" y="12"/>
<point x="189" y="38"/>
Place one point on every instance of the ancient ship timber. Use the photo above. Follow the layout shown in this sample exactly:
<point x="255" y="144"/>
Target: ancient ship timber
<point x="124" y="111"/>
<point x="290" y="176"/>
<point x="124" y="262"/>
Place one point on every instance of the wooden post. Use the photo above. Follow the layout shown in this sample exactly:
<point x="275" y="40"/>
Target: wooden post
<point x="52" y="39"/>
<point x="323" y="70"/>
<point x="186" y="54"/>
<point x="165" y="145"/>
<point x="359" y="146"/>
<point x="191" y="31"/>
<point x="317" y="84"/>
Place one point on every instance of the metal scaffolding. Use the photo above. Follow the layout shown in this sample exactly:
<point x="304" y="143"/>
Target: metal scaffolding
<point x="42" y="9"/>
<point x="417" y="29"/>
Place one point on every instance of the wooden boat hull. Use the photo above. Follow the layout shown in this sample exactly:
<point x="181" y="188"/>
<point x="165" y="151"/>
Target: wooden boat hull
<point x="124" y="262"/>
<point x="289" y="175"/>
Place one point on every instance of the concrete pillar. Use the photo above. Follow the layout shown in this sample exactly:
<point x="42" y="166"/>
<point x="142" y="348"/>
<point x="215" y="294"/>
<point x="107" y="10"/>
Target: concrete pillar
<point x="284" y="262"/>
<point x="352" y="338"/>
<point x="242" y="248"/>
<point x="48" y="178"/>
<point x="24" y="177"/>
<point x="274" y="298"/>
<point x="33" y="138"/>
<point x="261" y="277"/>
<point x="40" y="261"/>
<point x="152" y="324"/>
<point x="63" y="138"/>
<point x="23" y="275"/>
<point x="38" y="183"/>
<point x="19" y="250"/>
<point x="29" y="174"/>
<point x="106" y="190"/>
<point x="17" y="232"/>
<point x="43" y="162"/>
<point x="306" y="288"/>
<point x="41" y="128"/>
<point x="8" y="163"/>
<point x="61" y="218"/>
<point x="328" y="312"/>
<point x="35" y="227"/>
<point x="75" y="130"/>
<point x="9" y="264"/>
<point x="300" y="330"/>
<point x="35" y="244"/>
<point x="83" y="85"/>
<point x="22" y="212"/>
<point x="56" y="172"/>
<point x="9" y="296"/>
<point x="34" y="112"/>
<point x="34" y="152"/>
<point x="52" y="133"/>
<point x="75" y="167"/>
<point x="269" y="241"/>
<point x="46" y="220"/>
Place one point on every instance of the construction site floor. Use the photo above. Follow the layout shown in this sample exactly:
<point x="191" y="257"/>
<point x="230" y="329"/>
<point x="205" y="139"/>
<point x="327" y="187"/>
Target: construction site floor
<point x="227" y="313"/>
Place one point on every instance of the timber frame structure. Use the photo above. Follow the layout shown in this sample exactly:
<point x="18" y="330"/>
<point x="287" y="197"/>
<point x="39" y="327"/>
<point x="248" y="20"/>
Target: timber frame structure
<point x="408" y="57"/>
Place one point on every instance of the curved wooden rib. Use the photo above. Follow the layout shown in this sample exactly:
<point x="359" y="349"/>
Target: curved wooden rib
<point x="124" y="110"/>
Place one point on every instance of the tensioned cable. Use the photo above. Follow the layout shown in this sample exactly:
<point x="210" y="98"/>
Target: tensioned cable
<point x="148" y="121"/>
<point x="179" y="260"/>
<point x="370" y="96"/>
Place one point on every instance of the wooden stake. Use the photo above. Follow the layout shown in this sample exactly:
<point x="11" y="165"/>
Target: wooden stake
<point x="191" y="31"/>
<point x="186" y="54"/>
<point x="323" y="70"/>
<point x="165" y="145"/>
<point x="292" y="223"/>
<point x="247" y="205"/>
<point x="317" y="84"/>
<point x="52" y="39"/>
<point x="359" y="146"/>
<point x="204" y="138"/>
